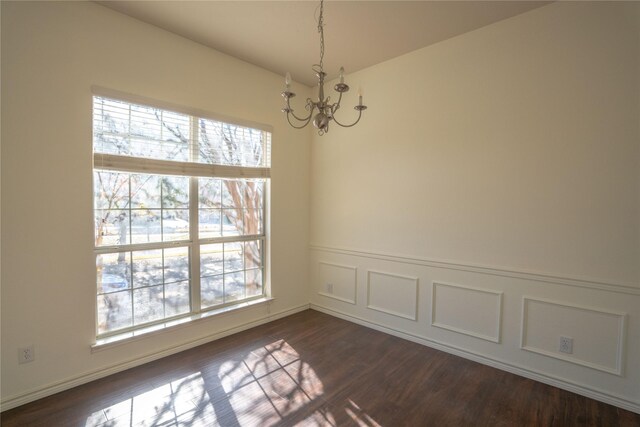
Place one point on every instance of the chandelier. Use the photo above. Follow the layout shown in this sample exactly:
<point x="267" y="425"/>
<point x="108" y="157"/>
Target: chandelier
<point x="323" y="109"/>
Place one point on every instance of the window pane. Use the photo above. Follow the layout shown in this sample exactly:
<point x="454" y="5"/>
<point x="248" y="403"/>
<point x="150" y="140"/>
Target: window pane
<point x="147" y="268"/>
<point x="233" y="286"/>
<point x="110" y="124"/>
<point x="122" y="223"/>
<point x="176" y="298"/>
<point x="148" y="304"/>
<point x="232" y="222"/>
<point x="139" y="131"/>
<point x="145" y="121"/>
<point x="254" y="282"/>
<point x="111" y="190"/>
<point x="111" y="203"/>
<point x="210" y="223"/>
<point x="211" y="291"/>
<point x="176" y="264"/>
<point x="176" y="127"/>
<point x="145" y="191"/>
<point x="242" y="207"/>
<point x="232" y="193"/>
<point x="113" y="272"/>
<point x="175" y="192"/>
<point x="254" y="194"/>
<point x="209" y="193"/>
<point x="114" y="311"/>
<point x="145" y="226"/>
<point x="110" y="115"/>
<point x="211" y="259"/>
<point x="211" y="143"/>
<point x="175" y="224"/>
<point x="233" y="256"/>
<point x="106" y="142"/>
<point x="112" y="227"/>
<point x="252" y="254"/>
<point x="254" y="207"/>
<point x="235" y="283"/>
<point x="114" y="298"/>
<point x="228" y="144"/>
<point x="252" y="221"/>
<point x="160" y="286"/>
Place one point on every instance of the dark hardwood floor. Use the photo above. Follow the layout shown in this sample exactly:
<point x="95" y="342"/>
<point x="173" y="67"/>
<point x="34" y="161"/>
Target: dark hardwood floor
<point x="314" y="369"/>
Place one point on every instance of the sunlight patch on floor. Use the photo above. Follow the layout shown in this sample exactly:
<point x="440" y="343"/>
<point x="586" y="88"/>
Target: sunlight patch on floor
<point x="159" y="406"/>
<point x="265" y="386"/>
<point x="359" y="416"/>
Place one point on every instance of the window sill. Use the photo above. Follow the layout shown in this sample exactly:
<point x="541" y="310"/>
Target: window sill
<point x="127" y="337"/>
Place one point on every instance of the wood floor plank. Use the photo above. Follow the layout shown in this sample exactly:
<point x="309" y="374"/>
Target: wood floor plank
<point x="311" y="369"/>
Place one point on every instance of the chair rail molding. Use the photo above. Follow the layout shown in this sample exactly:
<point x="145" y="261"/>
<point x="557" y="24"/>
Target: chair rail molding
<point x="542" y="277"/>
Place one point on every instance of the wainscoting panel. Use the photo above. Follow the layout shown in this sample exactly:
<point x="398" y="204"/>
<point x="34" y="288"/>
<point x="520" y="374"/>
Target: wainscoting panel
<point x="598" y="335"/>
<point x="498" y="316"/>
<point x="337" y="281"/>
<point x="466" y="310"/>
<point x="393" y="294"/>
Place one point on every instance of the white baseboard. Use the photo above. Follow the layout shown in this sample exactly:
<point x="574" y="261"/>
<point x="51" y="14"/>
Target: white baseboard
<point x="580" y="389"/>
<point x="66" y="384"/>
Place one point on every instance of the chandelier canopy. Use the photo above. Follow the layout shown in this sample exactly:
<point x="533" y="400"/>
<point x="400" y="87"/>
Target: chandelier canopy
<point x="323" y="109"/>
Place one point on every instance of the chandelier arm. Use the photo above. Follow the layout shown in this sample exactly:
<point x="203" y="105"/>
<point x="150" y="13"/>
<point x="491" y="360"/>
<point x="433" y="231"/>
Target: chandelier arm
<point x="306" y="119"/>
<point x="306" y="122"/>
<point x="336" y="105"/>
<point x="352" y="124"/>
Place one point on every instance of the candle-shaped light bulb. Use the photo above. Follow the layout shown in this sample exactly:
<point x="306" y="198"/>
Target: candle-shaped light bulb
<point x="287" y="79"/>
<point x="360" y="96"/>
<point x="341" y="75"/>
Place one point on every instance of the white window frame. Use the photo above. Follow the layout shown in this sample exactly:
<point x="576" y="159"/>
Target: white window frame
<point x="194" y="171"/>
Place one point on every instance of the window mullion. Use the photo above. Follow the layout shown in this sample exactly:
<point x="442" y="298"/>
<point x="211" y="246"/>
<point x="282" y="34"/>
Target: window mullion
<point x="130" y="252"/>
<point x="194" y="253"/>
<point x="266" y="236"/>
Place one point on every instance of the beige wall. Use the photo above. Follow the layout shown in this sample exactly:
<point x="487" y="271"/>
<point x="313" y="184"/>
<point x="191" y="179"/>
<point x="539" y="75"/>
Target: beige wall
<point x="52" y="53"/>
<point x="505" y="159"/>
<point x="514" y="146"/>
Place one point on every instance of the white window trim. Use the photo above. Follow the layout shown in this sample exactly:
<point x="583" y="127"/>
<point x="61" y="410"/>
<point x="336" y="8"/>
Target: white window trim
<point x="171" y="325"/>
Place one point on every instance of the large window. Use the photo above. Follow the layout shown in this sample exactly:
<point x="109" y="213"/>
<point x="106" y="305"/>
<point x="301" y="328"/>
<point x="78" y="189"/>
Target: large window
<point x="180" y="211"/>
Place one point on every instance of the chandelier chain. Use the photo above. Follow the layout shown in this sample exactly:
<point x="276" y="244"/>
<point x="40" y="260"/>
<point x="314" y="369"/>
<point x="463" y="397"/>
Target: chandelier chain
<point x="321" y="31"/>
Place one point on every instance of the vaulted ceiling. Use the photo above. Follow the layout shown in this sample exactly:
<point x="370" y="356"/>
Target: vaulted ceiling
<point x="282" y="35"/>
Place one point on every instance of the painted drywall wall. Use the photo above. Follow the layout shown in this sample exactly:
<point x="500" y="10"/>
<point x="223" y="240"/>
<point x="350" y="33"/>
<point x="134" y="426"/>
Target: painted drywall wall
<point x="498" y="165"/>
<point x="515" y="146"/>
<point x="52" y="53"/>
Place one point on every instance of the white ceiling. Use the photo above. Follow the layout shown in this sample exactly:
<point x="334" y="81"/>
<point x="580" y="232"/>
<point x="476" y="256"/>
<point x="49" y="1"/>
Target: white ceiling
<point x="282" y="35"/>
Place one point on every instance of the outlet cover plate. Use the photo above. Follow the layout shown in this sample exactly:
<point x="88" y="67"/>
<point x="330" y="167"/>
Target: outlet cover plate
<point x="566" y="345"/>
<point x="26" y="354"/>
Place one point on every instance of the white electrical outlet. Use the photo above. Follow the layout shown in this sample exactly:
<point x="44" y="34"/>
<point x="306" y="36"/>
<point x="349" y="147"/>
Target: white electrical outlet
<point x="26" y="354"/>
<point x="566" y="345"/>
<point x="329" y="288"/>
